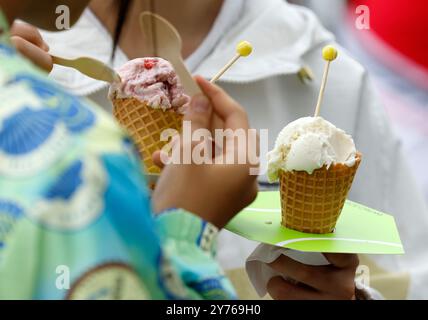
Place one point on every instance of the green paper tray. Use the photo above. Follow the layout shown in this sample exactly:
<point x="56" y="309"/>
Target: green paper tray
<point x="359" y="229"/>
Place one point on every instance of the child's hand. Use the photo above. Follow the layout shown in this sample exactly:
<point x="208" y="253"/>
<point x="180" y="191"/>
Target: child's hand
<point x="215" y="192"/>
<point x="28" y="41"/>
<point x="335" y="281"/>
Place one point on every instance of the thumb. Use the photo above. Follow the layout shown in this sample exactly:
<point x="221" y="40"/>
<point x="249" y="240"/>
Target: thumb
<point x="157" y="158"/>
<point x="37" y="55"/>
<point x="199" y="113"/>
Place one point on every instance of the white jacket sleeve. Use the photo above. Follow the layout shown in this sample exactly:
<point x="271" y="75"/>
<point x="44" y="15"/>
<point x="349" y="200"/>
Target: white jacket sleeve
<point x="384" y="182"/>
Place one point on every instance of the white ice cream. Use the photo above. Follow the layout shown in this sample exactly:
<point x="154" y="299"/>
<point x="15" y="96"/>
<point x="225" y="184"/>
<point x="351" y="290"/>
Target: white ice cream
<point x="307" y="144"/>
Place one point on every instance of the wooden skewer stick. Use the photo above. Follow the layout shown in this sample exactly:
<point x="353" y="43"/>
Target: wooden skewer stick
<point x="322" y="89"/>
<point x="243" y="49"/>
<point x="329" y="53"/>
<point x="225" y="68"/>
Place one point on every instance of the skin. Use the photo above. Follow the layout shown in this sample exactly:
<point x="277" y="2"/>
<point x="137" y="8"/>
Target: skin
<point x="41" y="13"/>
<point x="200" y="179"/>
<point x="28" y="41"/>
<point x="332" y="282"/>
<point x="193" y="19"/>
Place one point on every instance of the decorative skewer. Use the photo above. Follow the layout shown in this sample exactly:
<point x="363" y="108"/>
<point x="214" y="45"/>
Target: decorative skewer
<point x="329" y="53"/>
<point x="243" y="49"/>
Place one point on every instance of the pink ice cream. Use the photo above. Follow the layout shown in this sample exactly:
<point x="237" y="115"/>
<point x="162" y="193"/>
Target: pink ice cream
<point x="153" y="81"/>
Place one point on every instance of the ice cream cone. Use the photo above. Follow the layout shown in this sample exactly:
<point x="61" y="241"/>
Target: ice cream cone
<point x="145" y="125"/>
<point x="313" y="202"/>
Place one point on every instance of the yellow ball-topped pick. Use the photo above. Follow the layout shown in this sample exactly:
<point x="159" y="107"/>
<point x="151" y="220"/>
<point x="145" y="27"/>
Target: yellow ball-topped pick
<point x="244" y="48"/>
<point x="329" y="53"/>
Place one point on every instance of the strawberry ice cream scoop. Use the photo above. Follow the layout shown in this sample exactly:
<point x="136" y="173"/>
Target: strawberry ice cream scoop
<point x="153" y="81"/>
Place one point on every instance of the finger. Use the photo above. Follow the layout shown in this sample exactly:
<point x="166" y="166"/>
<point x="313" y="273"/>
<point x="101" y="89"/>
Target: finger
<point x="280" y="289"/>
<point x="327" y="279"/>
<point x="199" y="112"/>
<point x="314" y="276"/>
<point x="29" y="33"/>
<point x="228" y="109"/>
<point x="38" y="56"/>
<point x="217" y="122"/>
<point x="342" y="260"/>
<point x="163" y="157"/>
<point x="251" y="195"/>
<point x="157" y="159"/>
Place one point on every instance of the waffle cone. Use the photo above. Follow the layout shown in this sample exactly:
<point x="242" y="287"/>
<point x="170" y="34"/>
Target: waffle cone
<point x="313" y="202"/>
<point x="145" y="126"/>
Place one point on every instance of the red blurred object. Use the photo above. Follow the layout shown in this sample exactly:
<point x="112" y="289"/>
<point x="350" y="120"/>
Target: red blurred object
<point x="401" y="24"/>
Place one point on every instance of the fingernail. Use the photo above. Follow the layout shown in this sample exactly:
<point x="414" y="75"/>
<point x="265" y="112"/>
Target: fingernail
<point x="200" y="104"/>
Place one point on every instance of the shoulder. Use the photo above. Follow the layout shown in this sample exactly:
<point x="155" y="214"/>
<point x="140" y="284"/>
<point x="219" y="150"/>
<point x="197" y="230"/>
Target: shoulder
<point x="54" y="145"/>
<point x="41" y="123"/>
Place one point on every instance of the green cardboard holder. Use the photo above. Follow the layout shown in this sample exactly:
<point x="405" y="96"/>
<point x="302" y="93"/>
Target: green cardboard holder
<point x="359" y="229"/>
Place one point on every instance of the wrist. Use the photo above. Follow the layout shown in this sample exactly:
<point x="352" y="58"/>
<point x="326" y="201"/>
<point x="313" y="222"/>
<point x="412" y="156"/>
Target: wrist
<point x="196" y="207"/>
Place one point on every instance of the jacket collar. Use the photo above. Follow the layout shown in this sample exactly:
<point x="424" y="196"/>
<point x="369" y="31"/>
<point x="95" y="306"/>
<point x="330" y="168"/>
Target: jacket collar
<point x="281" y="34"/>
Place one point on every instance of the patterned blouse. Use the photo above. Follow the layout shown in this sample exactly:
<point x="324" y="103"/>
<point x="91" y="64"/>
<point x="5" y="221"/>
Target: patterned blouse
<point x="75" y="215"/>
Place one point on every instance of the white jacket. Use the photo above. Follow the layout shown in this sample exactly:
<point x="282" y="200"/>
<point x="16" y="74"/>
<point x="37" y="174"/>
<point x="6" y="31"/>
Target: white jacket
<point x="286" y="38"/>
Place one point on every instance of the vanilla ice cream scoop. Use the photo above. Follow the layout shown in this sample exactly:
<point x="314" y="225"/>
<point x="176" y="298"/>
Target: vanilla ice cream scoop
<point x="153" y="81"/>
<point x="307" y="144"/>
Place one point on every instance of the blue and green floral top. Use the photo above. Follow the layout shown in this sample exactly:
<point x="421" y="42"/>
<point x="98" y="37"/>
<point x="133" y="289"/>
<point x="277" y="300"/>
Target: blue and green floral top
<point x="75" y="215"/>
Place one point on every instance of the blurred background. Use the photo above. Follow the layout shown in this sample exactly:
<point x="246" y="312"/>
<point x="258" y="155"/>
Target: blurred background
<point x="390" y="38"/>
